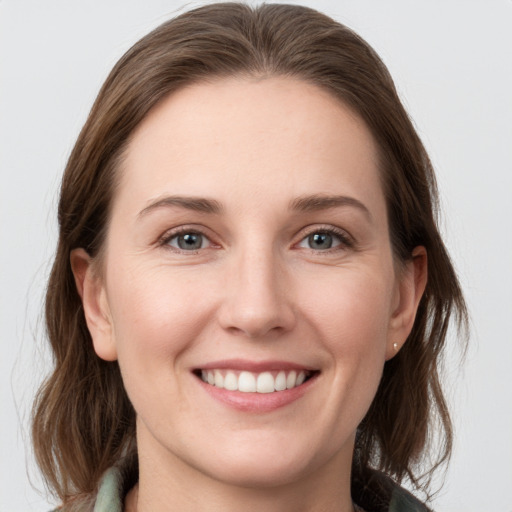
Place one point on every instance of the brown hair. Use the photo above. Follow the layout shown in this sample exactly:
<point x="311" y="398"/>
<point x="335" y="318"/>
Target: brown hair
<point x="83" y="421"/>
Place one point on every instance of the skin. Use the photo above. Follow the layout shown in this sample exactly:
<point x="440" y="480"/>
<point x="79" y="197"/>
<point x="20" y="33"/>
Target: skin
<point x="255" y="290"/>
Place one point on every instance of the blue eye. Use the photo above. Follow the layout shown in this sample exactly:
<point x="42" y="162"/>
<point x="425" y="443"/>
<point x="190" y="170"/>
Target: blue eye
<point x="320" y="241"/>
<point x="188" y="241"/>
<point x="323" y="240"/>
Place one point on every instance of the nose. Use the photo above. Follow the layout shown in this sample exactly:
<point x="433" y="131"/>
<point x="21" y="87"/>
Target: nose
<point x="257" y="297"/>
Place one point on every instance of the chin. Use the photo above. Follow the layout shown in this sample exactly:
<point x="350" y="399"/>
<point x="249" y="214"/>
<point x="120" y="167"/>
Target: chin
<point x="265" y="463"/>
<point x="258" y="474"/>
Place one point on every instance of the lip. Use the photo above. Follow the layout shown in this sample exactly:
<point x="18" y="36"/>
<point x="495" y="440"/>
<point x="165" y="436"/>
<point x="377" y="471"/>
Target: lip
<point x="256" y="402"/>
<point x="254" y="366"/>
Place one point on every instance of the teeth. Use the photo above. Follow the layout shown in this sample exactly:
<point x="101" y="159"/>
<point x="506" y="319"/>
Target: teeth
<point x="230" y="381"/>
<point x="280" y="381"/>
<point x="265" y="383"/>
<point x="291" y="380"/>
<point x="218" y="379"/>
<point x="247" y="382"/>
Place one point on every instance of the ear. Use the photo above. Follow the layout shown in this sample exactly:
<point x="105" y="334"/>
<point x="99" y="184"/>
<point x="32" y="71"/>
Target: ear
<point x="92" y="291"/>
<point x="411" y="286"/>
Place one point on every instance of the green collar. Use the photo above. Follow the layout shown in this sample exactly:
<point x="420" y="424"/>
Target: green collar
<point x="378" y="493"/>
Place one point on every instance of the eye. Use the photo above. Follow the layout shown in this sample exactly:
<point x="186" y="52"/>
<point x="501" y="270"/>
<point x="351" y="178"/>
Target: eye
<point x="188" y="241"/>
<point x="323" y="240"/>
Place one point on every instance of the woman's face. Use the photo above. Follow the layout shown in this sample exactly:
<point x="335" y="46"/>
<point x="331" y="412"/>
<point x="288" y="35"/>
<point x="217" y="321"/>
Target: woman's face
<point x="249" y="248"/>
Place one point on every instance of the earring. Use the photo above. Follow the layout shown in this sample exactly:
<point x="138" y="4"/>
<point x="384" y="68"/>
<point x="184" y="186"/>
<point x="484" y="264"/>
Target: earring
<point x="395" y="346"/>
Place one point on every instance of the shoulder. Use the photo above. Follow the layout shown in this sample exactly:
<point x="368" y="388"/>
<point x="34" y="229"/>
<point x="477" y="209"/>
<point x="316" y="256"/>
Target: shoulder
<point x="115" y="484"/>
<point x="404" y="501"/>
<point x="108" y="497"/>
<point x="376" y="492"/>
<point x="111" y="491"/>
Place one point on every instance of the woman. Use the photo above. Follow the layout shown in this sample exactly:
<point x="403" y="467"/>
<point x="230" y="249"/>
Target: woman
<point x="250" y="295"/>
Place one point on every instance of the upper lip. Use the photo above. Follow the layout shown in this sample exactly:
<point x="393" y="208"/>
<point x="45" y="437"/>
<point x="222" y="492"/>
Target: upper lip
<point x="253" y="366"/>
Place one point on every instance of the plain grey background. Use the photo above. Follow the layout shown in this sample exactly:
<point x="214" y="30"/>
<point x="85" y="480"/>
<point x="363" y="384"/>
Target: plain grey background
<point x="452" y="63"/>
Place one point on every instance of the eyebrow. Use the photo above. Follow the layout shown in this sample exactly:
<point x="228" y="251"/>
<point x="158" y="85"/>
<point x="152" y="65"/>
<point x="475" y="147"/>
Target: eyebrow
<point x="325" y="202"/>
<point x="303" y="204"/>
<point x="197" y="204"/>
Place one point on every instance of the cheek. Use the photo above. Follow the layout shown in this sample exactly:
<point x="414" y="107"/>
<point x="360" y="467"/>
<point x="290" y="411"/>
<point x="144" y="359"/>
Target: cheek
<point x="353" y="307"/>
<point x="352" y="317"/>
<point x="156" y="315"/>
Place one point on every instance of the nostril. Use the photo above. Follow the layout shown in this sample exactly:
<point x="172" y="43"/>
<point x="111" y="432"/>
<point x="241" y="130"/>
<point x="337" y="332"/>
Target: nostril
<point x="256" y="305"/>
<point x="255" y="326"/>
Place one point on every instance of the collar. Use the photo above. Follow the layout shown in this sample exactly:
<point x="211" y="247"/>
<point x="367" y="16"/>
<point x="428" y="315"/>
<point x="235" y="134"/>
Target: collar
<point x="377" y="493"/>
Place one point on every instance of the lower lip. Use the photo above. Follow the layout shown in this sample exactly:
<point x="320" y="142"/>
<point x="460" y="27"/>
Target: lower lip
<point x="258" y="402"/>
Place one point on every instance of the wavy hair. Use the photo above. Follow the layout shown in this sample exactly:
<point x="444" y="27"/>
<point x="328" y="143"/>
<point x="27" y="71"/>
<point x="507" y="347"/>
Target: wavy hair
<point x="83" y="421"/>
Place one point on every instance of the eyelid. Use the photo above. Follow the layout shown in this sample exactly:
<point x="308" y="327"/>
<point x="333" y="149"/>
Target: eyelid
<point x="346" y="240"/>
<point x="167" y="236"/>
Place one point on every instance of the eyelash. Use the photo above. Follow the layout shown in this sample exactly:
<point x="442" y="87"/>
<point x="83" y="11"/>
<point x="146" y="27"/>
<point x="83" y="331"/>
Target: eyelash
<point x="346" y="241"/>
<point x="165" y="240"/>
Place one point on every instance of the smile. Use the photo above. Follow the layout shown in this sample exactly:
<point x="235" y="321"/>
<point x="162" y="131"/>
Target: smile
<point x="256" y="386"/>
<point x="251" y="382"/>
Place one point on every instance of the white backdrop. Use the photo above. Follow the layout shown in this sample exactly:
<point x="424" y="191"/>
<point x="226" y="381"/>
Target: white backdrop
<point x="452" y="62"/>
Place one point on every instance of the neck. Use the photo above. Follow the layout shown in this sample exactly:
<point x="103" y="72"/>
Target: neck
<point x="168" y="483"/>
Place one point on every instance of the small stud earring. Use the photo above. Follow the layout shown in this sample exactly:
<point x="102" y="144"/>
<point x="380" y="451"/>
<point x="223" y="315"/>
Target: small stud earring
<point x="395" y="346"/>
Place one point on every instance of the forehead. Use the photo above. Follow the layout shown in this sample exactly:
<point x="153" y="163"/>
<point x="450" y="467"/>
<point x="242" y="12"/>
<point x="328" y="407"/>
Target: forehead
<point x="249" y="138"/>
